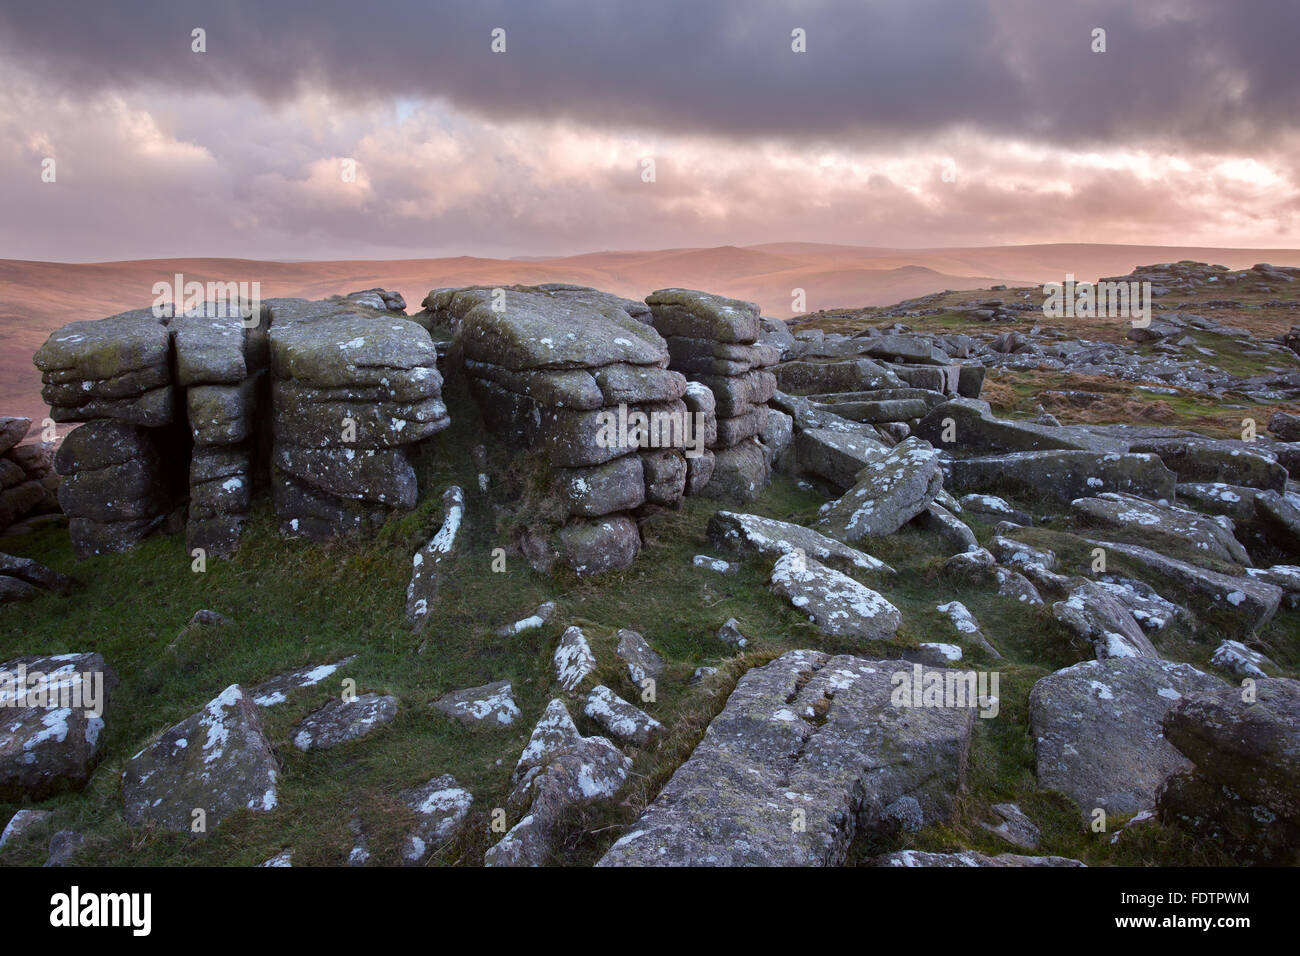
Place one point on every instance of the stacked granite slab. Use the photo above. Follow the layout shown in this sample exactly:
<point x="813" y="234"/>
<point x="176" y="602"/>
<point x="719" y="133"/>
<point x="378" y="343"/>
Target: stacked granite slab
<point x="220" y="362"/>
<point x="351" y="395"/>
<point x="28" y="484"/>
<point x="713" y="341"/>
<point x="115" y="375"/>
<point x="566" y="370"/>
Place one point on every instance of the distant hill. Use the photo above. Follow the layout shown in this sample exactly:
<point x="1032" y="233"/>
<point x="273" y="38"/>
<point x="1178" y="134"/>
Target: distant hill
<point x="38" y="297"/>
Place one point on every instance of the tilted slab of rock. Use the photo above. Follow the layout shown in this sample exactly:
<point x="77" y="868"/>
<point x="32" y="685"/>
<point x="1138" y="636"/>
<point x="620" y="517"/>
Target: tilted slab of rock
<point x="442" y="806"/>
<point x="836" y="603"/>
<point x="967" y="626"/>
<point x="573" y="658"/>
<point x="835" y="455"/>
<point x="218" y="761"/>
<point x="1100" y="619"/>
<point x="889" y="493"/>
<point x="643" y="661"/>
<point x="422" y="590"/>
<point x="1158" y="522"/>
<point x="344" y="719"/>
<point x="557" y="772"/>
<point x="809" y="751"/>
<point x="620" y="719"/>
<point x="967" y="426"/>
<point x="1241" y="660"/>
<point x="1240" y="604"/>
<point x="768" y="537"/>
<point x="1098" y="734"/>
<point x="1061" y="475"/>
<point x="52" y="728"/>
<point x="489" y="706"/>
<point x="276" y="691"/>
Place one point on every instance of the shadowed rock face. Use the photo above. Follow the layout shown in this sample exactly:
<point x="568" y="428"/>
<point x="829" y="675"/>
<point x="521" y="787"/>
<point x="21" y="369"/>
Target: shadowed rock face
<point x="218" y="761"/>
<point x="1098" y="732"/>
<point x="47" y="749"/>
<point x="809" y="751"/>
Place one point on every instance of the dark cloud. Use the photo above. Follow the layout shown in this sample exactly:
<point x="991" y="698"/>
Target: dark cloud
<point x="1204" y="74"/>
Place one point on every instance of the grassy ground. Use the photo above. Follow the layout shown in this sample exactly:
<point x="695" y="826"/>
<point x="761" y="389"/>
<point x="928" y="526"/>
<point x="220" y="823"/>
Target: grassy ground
<point x="293" y="603"/>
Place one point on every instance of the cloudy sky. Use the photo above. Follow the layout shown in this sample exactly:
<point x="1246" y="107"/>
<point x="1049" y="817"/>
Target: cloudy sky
<point x="905" y="123"/>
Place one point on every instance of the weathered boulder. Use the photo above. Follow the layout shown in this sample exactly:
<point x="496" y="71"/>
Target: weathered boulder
<point x="442" y="806"/>
<point x="573" y="659"/>
<point x="1161" y="522"/>
<point x="836" y="603"/>
<point x="490" y="706"/>
<point x="889" y="492"/>
<point x="559" y="771"/>
<point x="1095" y="616"/>
<point x="809" y="751"/>
<point x="344" y="719"/>
<point x="1097" y="730"/>
<point x="1196" y="459"/>
<point x="52" y="730"/>
<point x="835" y="455"/>
<point x="597" y="545"/>
<point x="218" y="761"/>
<point x="620" y="719"/>
<point x="1251" y="746"/>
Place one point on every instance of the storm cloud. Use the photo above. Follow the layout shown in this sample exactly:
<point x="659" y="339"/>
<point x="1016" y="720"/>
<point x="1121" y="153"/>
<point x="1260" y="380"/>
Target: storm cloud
<point x="1186" y="122"/>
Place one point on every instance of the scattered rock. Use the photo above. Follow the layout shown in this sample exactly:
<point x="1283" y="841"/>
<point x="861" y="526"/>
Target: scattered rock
<point x="489" y="706"/>
<point x="836" y="603"/>
<point x="343" y="719"/>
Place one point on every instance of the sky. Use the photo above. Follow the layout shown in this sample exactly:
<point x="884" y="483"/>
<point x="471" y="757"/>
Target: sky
<point x="335" y="129"/>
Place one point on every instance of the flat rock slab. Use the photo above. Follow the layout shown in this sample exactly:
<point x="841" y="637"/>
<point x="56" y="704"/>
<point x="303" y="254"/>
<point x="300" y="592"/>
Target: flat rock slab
<point x="489" y="706"/>
<point x="1098" y="734"/>
<point x="442" y="806"/>
<point x="768" y="537"/>
<point x="1061" y="475"/>
<point x="217" y="760"/>
<point x="809" y="750"/>
<point x="342" y="720"/>
<point x="51" y="723"/>
<point x="888" y="493"/>
<point x="836" y="603"/>
<point x="534" y="331"/>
